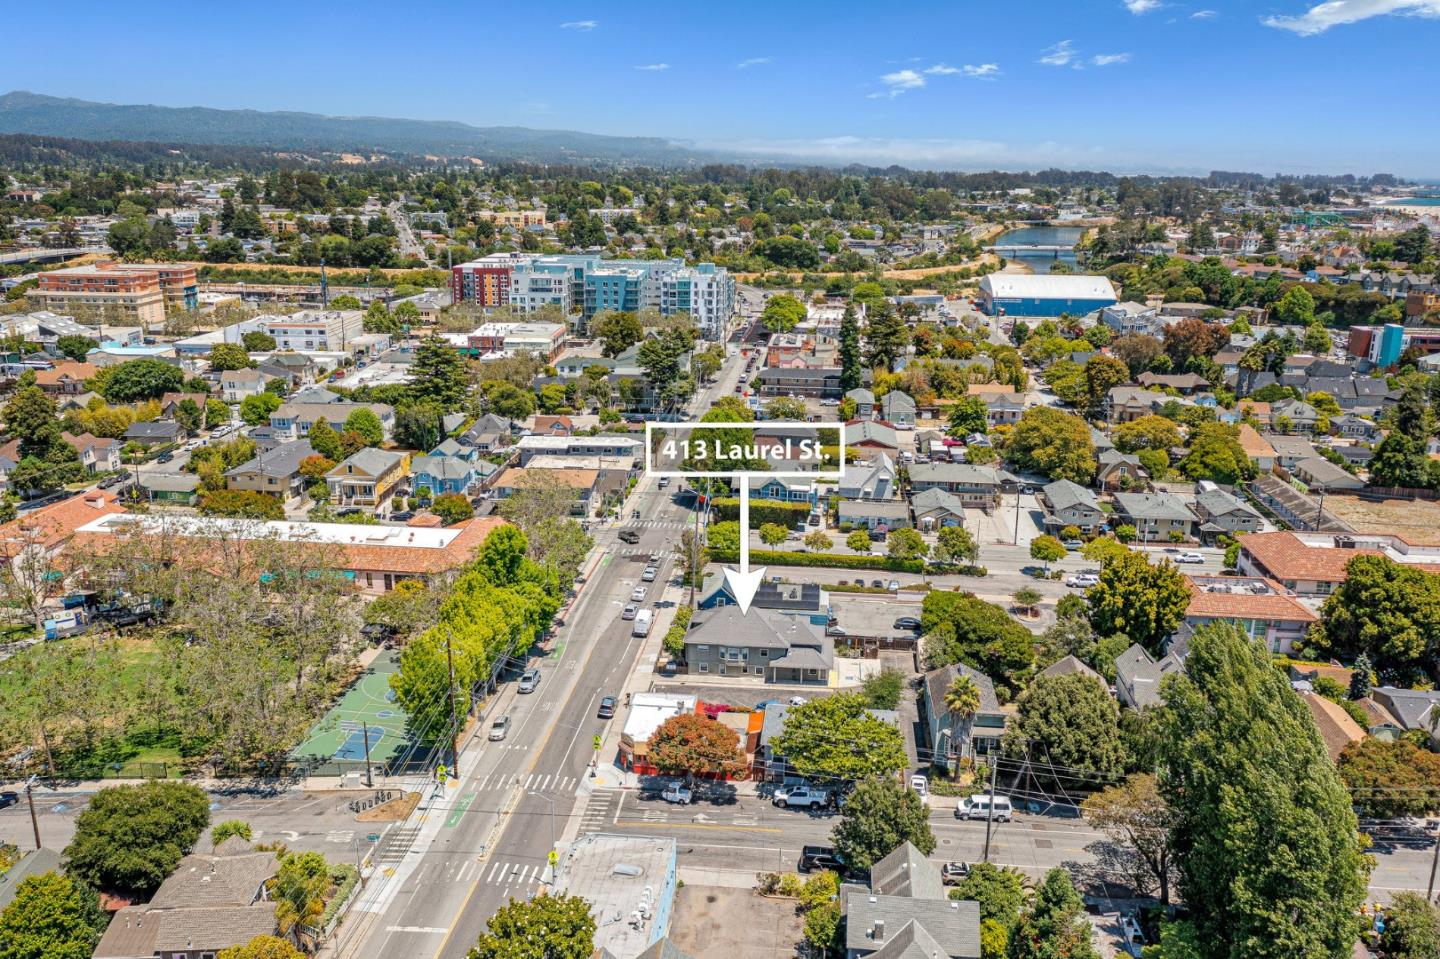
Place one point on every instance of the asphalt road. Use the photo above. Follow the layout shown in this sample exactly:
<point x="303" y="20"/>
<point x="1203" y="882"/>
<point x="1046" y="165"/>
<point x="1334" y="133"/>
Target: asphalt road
<point x="308" y="822"/>
<point x="736" y="835"/>
<point x="486" y="838"/>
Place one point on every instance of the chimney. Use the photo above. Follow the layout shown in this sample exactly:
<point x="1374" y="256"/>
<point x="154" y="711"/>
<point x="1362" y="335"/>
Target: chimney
<point x="877" y="931"/>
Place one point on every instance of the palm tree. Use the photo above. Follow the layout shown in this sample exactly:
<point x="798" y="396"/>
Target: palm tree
<point x="962" y="698"/>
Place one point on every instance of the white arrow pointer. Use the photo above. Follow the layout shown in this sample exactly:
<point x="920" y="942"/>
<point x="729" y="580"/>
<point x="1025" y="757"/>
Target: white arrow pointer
<point x="743" y="582"/>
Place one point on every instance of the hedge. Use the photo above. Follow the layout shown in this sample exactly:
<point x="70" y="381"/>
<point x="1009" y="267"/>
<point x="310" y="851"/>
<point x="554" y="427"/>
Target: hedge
<point x="765" y="557"/>
<point x="788" y="515"/>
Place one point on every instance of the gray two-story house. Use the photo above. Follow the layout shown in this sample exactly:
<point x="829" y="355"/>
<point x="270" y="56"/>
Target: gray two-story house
<point x="1154" y="515"/>
<point x="765" y="645"/>
<point x="1223" y="514"/>
<point x="1070" y="504"/>
<point x="953" y="736"/>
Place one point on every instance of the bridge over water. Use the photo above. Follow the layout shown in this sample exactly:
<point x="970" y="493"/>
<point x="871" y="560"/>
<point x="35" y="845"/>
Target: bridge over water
<point x="1013" y="249"/>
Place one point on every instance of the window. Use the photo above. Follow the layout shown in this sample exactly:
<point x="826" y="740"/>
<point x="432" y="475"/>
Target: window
<point x="759" y="670"/>
<point x="704" y="667"/>
<point x="703" y="648"/>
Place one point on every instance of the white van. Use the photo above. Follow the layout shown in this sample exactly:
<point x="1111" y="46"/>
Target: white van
<point x="643" y="619"/>
<point x="978" y="807"/>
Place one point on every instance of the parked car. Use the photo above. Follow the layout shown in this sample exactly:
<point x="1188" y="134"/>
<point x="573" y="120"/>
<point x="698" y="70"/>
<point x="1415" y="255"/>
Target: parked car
<point x="1190" y="558"/>
<point x="878" y="583"/>
<point x="678" y="793"/>
<point x="820" y="857"/>
<point x="893" y="586"/>
<point x="529" y="680"/>
<point x="664" y="482"/>
<point x="629" y="536"/>
<point x="1073" y="544"/>
<point x="164" y="457"/>
<point x="921" y="784"/>
<point x="835" y="631"/>
<point x="637" y="595"/>
<point x="499" y="729"/>
<point x="8" y="798"/>
<point x="978" y="807"/>
<point x="629" y="611"/>
<point x="810" y="797"/>
<point x="607" y="708"/>
<point x="954" y="873"/>
<point x="907" y="622"/>
<point x="1082" y="580"/>
<point x="649" y="574"/>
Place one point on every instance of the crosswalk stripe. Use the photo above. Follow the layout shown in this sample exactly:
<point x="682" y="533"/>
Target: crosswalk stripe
<point x="542" y="784"/>
<point x="494" y="871"/>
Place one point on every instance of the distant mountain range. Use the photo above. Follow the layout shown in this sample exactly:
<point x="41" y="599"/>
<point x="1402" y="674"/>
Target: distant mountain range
<point x="24" y="112"/>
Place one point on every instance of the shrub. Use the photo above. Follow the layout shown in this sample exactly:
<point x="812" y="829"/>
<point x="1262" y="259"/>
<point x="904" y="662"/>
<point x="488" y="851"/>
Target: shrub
<point x="762" y="511"/>
<point x="766" y="557"/>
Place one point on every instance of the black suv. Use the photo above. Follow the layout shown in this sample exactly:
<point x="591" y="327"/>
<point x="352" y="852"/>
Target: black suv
<point x="820" y="857"/>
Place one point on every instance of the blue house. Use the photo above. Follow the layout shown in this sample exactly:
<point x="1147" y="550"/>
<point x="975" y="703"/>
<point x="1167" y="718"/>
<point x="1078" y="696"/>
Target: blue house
<point x="790" y="489"/>
<point x="447" y="474"/>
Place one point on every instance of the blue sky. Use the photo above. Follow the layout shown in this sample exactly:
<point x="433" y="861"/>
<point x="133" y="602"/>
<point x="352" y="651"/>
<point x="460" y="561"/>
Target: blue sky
<point x="1162" y="85"/>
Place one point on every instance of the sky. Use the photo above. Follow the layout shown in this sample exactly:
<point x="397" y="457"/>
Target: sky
<point x="1125" y="85"/>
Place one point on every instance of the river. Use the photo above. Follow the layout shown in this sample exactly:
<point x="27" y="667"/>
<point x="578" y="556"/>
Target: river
<point x="1044" y="236"/>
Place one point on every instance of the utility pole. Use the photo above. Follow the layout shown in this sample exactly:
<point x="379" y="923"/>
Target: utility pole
<point x="365" y="731"/>
<point x="990" y="812"/>
<point x="454" y="720"/>
<point x="1320" y="510"/>
<point x="35" y="823"/>
<point x="1429" y="888"/>
<point x="1017" y="515"/>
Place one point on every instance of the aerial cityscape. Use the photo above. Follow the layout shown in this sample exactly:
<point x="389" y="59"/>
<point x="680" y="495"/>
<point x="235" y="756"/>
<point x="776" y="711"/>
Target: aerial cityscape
<point x="655" y="483"/>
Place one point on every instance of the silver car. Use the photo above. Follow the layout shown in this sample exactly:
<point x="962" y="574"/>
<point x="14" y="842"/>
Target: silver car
<point x="499" y="729"/>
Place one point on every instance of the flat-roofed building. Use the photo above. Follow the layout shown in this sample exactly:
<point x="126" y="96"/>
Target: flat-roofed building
<point x="375" y="557"/>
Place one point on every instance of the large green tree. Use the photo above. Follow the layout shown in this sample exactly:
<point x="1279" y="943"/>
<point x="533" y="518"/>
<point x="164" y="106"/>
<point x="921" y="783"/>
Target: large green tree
<point x="131" y="837"/>
<point x="879" y="814"/>
<point x="782" y="313"/>
<point x="1142" y="600"/>
<point x="962" y="628"/>
<point x="1215" y="454"/>
<point x="850" y="370"/>
<point x="617" y="332"/>
<point x="438" y="374"/>
<point x="886" y="337"/>
<point x="1388" y="611"/>
<point x="1067" y="721"/>
<point x="1270" y="861"/>
<point x="229" y="356"/>
<point x="546" y="927"/>
<point x="837" y="738"/>
<point x="51" y="917"/>
<point x="1054" y="927"/>
<point x="1054" y="443"/>
<point x="137" y="380"/>
<point x="1391" y="779"/>
<point x="968" y="415"/>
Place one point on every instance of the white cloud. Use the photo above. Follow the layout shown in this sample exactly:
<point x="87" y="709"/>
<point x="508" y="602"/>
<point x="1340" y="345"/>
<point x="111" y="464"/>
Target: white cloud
<point x="897" y="83"/>
<point x="753" y="62"/>
<point x="1203" y="15"/>
<point x="942" y="69"/>
<point x="1337" y="13"/>
<point x="1109" y="59"/>
<point x="1061" y="54"/>
<point x="1138" y="7"/>
<point x="652" y="66"/>
<point x="584" y="26"/>
<point x="984" y="71"/>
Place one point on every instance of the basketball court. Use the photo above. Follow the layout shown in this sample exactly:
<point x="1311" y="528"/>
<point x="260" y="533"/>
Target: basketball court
<point x="368" y="706"/>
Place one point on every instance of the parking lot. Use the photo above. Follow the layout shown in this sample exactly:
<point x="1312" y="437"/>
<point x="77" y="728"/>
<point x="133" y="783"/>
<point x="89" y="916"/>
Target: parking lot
<point x="874" y="614"/>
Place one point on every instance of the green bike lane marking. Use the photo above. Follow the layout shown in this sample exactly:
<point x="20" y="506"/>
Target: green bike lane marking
<point x="461" y="805"/>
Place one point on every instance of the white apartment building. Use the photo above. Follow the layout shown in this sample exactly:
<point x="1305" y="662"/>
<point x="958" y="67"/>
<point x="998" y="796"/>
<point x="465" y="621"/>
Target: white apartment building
<point x="316" y="330"/>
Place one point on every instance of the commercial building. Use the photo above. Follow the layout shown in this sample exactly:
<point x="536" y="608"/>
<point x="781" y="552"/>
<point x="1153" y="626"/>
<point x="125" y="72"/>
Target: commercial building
<point x="1382" y="345"/>
<point x="375" y="558"/>
<point x="1263" y="608"/>
<point x="633" y="878"/>
<point x="322" y="331"/>
<point x="1018" y="294"/>
<point x="519" y="219"/>
<point x="542" y="339"/>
